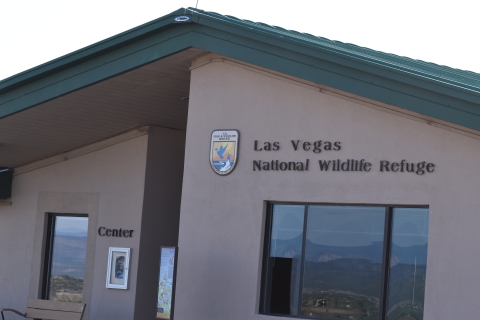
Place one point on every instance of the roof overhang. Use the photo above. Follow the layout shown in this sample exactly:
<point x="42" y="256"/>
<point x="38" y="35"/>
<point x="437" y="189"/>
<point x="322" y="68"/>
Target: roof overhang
<point x="85" y="89"/>
<point x="153" y="94"/>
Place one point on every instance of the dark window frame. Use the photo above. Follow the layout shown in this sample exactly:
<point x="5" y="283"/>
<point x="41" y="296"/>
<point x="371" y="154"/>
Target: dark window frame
<point x="47" y="257"/>
<point x="265" y="285"/>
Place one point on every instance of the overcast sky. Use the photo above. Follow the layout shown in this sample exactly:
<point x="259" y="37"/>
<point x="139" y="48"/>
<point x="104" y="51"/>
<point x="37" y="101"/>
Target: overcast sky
<point x="33" y="32"/>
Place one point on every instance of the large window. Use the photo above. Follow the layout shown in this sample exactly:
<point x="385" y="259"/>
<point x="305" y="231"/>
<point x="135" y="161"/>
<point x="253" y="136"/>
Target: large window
<point x="65" y="257"/>
<point x="345" y="262"/>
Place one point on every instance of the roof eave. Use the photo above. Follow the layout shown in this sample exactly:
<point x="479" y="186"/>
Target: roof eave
<point x="89" y="52"/>
<point x="162" y="37"/>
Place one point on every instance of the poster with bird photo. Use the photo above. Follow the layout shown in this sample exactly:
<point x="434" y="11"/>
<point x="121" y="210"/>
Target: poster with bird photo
<point x="223" y="156"/>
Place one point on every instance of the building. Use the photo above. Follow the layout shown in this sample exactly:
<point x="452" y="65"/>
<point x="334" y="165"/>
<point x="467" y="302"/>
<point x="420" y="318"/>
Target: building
<point x="351" y="188"/>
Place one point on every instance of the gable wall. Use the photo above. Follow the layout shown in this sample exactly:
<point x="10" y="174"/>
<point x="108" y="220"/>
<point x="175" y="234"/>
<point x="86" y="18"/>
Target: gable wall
<point x="221" y="221"/>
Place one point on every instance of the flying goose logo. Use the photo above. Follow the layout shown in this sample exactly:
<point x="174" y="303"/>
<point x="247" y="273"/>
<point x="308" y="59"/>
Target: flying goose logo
<point x="223" y="151"/>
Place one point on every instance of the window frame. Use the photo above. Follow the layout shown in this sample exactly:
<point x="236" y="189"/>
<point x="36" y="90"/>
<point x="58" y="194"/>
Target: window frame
<point x="264" y="285"/>
<point x="48" y="254"/>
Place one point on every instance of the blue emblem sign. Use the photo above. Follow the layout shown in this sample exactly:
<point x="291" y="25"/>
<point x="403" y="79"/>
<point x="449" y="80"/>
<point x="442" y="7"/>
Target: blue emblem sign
<point x="224" y="151"/>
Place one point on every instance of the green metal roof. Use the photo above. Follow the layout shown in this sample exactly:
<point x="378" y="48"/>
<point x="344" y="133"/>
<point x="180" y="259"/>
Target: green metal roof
<point x="436" y="91"/>
<point x="465" y="79"/>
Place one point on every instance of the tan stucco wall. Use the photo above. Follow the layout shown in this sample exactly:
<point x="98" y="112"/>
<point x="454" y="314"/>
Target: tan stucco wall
<point x="107" y="184"/>
<point x="221" y="221"/>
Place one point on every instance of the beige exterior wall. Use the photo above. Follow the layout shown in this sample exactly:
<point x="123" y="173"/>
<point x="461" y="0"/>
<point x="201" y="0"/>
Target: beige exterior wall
<point x="222" y="218"/>
<point x="136" y="184"/>
<point x="107" y="184"/>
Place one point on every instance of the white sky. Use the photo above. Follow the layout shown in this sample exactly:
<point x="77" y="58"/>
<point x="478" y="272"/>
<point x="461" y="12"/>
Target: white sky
<point x="33" y="32"/>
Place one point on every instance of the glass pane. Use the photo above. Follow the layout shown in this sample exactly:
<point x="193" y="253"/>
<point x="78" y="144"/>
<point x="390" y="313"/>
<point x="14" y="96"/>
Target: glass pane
<point x="408" y="264"/>
<point x="343" y="262"/>
<point x="284" y="262"/>
<point x="68" y="259"/>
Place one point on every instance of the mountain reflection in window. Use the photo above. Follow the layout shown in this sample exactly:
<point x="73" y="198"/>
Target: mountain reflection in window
<point x="285" y="255"/>
<point x="343" y="262"/>
<point x="67" y="258"/>
<point x="408" y="264"/>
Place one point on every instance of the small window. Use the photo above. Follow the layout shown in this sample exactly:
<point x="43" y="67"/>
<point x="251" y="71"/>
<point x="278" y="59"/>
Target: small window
<point x="345" y="262"/>
<point x="65" y="256"/>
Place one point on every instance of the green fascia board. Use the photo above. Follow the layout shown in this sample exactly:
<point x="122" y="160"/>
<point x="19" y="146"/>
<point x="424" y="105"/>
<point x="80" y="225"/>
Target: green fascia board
<point x="89" y="52"/>
<point x="368" y="65"/>
<point x="456" y="77"/>
<point x="347" y="79"/>
<point x="162" y="37"/>
<point x="335" y="74"/>
<point x="96" y="69"/>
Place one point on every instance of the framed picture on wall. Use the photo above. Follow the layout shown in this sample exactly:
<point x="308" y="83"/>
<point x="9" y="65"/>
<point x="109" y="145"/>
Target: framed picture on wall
<point x="118" y="265"/>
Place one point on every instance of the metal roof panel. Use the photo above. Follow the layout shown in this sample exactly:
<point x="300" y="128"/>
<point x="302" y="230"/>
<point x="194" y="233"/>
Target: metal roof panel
<point x="461" y="78"/>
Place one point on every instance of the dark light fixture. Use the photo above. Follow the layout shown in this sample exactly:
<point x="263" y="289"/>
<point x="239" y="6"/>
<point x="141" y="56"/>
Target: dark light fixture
<point x="6" y="177"/>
